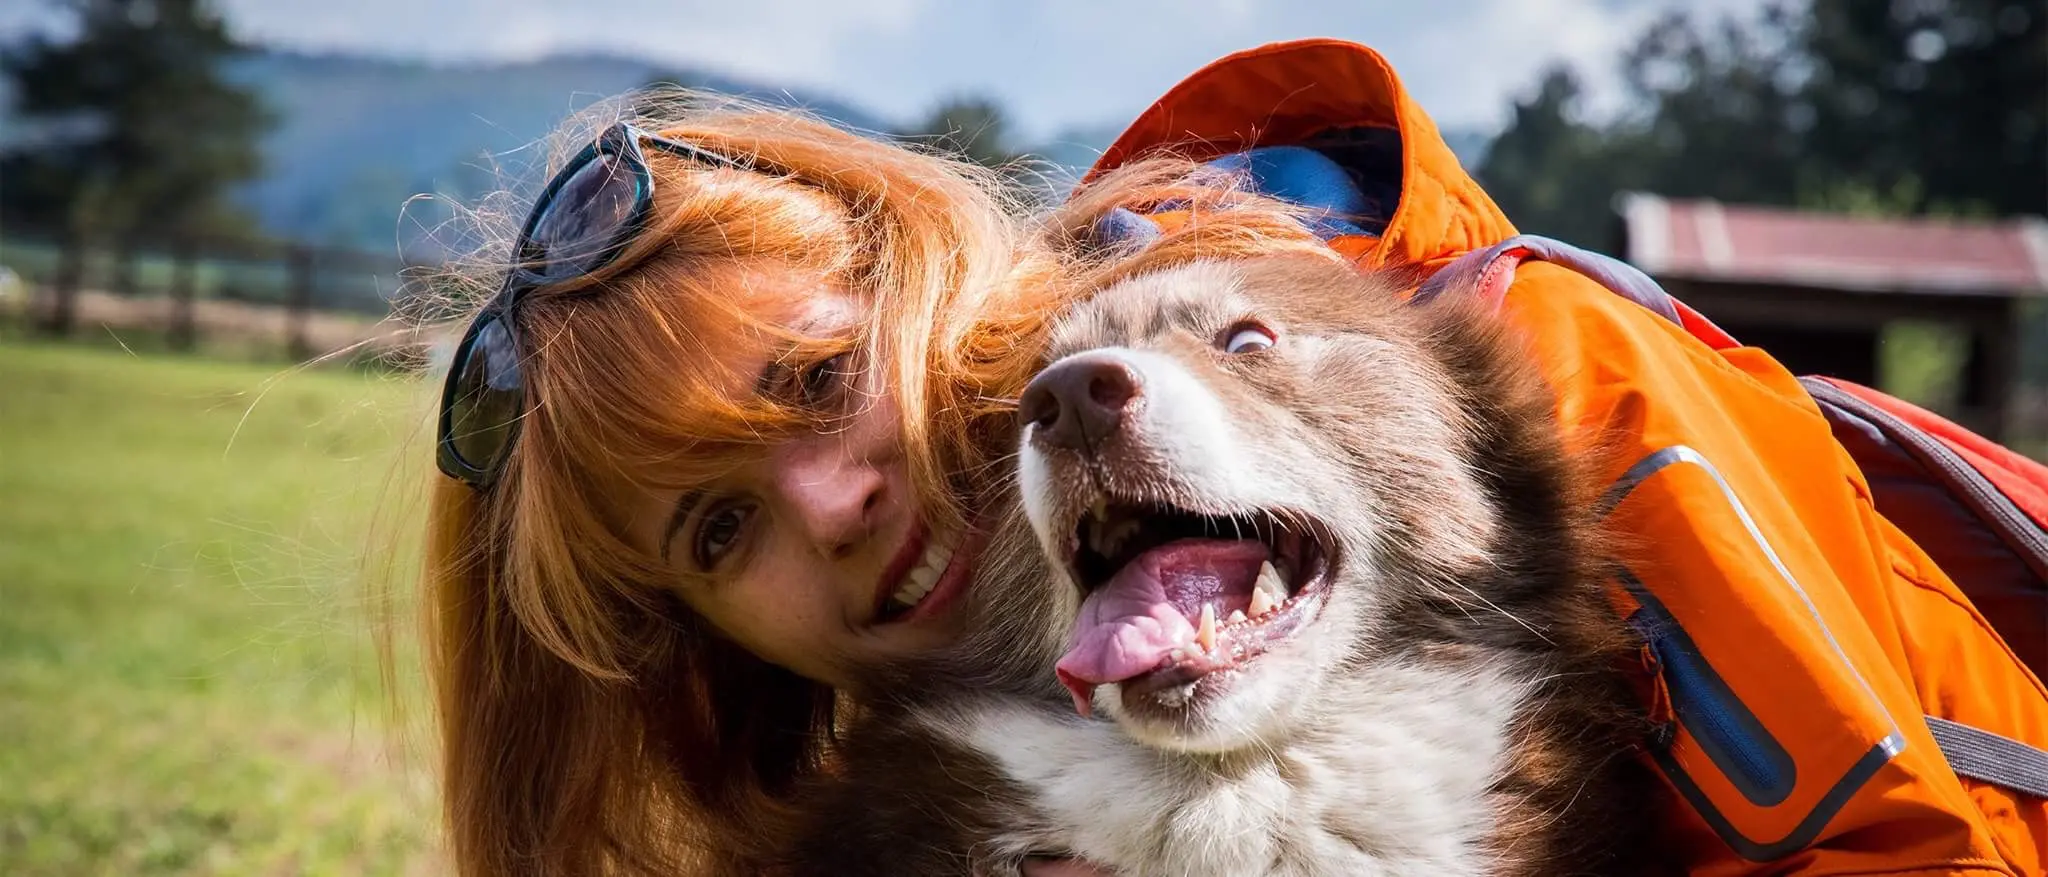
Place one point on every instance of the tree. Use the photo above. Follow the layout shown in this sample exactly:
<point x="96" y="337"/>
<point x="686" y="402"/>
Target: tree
<point x="1548" y="170"/>
<point x="1841" y="105"/>
<point x="1711" y="112"/>
<point x="971" y="127"/>
<point x="974" y="128"/>
<point x="1725" y="113"/>
<point x="1945" y="100"/>
<point x="132" y="131"/>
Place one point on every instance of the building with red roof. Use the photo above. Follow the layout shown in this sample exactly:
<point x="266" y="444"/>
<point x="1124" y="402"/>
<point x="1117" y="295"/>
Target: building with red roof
<point x="1816" y="289"/>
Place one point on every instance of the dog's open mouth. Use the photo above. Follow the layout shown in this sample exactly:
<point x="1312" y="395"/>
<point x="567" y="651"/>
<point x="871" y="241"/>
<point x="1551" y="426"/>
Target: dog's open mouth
<point x="1174" y="596"/>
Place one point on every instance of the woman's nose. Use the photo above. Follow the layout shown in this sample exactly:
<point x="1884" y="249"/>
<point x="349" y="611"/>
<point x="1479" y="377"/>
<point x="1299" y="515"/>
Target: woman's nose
<point x="831" y="494"/>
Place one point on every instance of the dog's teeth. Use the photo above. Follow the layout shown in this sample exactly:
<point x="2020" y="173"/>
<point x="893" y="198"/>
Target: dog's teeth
<point x="1205" y="633"/>
<point x="1270" y="581"/>
<point x="1179" y="654"/>
<point x="1236" y="616"/>
<point x="1120" y="533"/>
<point x="1108" y="536"/>
<point x="1261" y="603"/>
<point x="1101" y="508"/>
<point x="1268" y="592"/>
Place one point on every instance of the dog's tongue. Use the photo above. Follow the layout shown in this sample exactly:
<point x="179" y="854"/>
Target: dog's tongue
<point x="1129" y="626"/>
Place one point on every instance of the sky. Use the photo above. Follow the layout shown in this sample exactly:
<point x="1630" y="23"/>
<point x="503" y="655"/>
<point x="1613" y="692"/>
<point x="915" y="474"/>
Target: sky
<point x="1052" y="64"/>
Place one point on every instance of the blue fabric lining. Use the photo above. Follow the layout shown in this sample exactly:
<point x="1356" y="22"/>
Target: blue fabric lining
<point x="1303" y="176"/>
<point x="1353" y="199"/>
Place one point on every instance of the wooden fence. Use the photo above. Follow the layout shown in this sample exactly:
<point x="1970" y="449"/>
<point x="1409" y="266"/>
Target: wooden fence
<point x="280" y="297"/>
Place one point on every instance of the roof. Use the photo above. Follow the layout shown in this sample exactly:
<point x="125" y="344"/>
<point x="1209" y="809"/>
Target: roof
<point x="1734" y="243"/>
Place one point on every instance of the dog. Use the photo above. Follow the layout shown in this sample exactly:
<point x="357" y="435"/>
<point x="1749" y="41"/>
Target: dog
<point x="1321" y="592"/>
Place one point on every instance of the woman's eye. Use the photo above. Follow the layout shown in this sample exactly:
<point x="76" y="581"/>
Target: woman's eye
<point x="815" y="385"/>
<point x="1247" y="338"/>
<point x="718" y="531"/>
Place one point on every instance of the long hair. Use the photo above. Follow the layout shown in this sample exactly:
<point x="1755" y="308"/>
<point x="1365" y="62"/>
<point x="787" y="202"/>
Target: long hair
<point x="588" y="722"/>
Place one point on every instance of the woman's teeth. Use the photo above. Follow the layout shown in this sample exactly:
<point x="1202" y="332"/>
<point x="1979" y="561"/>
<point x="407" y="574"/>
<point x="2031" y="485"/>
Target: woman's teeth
<point x="925" y="575"/>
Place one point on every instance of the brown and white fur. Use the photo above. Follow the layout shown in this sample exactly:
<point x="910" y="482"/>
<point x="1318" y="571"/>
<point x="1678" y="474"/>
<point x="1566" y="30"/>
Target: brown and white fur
<point x="1440" y="691"/>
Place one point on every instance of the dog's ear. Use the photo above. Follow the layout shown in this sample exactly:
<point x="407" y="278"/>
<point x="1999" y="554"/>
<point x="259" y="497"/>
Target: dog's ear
<point x="1118" y="232"/>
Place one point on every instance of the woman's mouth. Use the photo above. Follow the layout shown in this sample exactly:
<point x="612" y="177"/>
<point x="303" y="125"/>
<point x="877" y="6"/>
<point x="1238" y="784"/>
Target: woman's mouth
<point x="937" y="571"/>
<point x="924" y="576"/>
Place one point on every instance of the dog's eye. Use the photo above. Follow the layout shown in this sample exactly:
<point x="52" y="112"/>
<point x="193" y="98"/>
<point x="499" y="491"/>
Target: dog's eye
<point x="1247" y="338"/>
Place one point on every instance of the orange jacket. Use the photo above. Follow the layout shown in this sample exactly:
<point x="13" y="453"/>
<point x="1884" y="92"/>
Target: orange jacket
<point x="1799" y="641"/>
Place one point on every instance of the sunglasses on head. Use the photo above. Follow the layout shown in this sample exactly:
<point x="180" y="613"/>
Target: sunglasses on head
<point x="588" y="214"/>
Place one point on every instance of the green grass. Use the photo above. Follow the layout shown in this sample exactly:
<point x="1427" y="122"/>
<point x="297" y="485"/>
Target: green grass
<point x="1922" y="362"/>
<point x="186" y="679"/>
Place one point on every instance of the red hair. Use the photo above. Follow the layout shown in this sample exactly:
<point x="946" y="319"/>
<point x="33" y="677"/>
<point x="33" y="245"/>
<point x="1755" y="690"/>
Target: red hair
<point x="588" y="722"/>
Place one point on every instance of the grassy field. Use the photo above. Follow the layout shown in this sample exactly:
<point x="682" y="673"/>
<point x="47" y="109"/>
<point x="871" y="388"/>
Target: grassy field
<point x="186" y="679"/>
<point x="187" y="684"/>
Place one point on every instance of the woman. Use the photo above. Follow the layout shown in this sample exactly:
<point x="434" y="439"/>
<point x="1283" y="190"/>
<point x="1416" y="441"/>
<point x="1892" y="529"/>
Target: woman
<point x="699" y="477"/>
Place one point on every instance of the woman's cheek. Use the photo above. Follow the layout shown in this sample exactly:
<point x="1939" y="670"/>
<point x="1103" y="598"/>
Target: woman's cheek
<point x="796" y="634"/>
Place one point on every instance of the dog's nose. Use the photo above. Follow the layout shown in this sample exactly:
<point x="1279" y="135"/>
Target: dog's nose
<point x="1079" y="401"/>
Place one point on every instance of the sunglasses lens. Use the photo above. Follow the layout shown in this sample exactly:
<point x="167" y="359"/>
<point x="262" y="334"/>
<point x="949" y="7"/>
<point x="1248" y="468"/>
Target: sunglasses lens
<point x="579" y="228"/>
<point x="487" y="396"/>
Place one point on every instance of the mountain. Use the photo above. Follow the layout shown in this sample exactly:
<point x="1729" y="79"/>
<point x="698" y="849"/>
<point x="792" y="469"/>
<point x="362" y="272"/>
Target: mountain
<point x="357" y="136"/>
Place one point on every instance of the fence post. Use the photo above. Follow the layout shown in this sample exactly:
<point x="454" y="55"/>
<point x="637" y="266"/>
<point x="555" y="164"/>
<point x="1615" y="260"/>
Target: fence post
<point x="124" y="267"/>
<point x="63" y="313"/>
<point x="1990" y="371"/>
<point x="298" y="316"/>
<point x="184" y="329"/>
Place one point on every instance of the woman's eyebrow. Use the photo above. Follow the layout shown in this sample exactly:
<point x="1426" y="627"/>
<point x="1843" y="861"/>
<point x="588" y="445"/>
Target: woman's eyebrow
<point x="687" y="502"/>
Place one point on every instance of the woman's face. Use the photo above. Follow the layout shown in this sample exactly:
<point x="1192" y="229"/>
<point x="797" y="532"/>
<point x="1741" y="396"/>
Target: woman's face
<point x="813" y="555"/>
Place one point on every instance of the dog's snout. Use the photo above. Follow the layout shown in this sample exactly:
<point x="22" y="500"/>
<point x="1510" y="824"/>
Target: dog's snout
<point x="1079" y="401"/>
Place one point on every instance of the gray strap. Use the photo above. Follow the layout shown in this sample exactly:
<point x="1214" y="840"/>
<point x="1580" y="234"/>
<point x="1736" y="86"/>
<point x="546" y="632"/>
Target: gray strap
<point x="1992" y="758"/>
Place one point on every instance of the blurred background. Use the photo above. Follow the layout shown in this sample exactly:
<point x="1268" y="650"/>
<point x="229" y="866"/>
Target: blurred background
<point x="205" y="227"/>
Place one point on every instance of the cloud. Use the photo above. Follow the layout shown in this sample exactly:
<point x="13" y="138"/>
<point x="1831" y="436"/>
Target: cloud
<point x="794" y="40"/>
<point x="1052" y="63"/>
<point x="1062" y="62"/>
